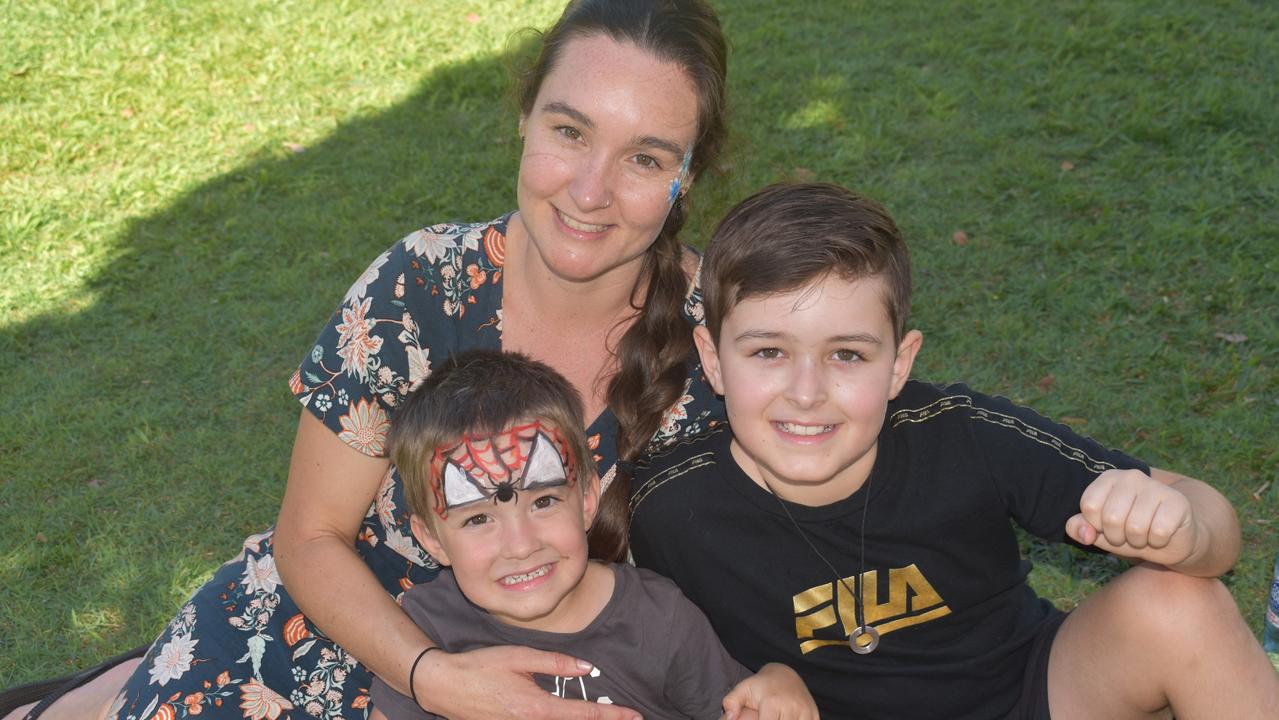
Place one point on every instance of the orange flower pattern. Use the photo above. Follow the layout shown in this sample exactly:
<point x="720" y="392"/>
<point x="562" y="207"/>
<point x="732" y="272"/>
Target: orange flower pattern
<point x="365" y="427"/>
<point x="260" y="702"/>
<point x="241" y="647"/>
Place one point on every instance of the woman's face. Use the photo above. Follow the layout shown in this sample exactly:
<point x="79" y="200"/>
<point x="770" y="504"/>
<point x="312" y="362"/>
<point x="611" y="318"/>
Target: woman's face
<point x="605" y="141"/>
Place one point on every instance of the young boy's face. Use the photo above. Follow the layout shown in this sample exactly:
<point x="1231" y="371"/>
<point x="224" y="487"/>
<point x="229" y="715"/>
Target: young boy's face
<point x="806" y="377"/>
<point x="518" y="553"/>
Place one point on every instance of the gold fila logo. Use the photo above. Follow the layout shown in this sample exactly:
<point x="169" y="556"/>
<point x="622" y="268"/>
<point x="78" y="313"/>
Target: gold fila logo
<point x="826" y="614"/>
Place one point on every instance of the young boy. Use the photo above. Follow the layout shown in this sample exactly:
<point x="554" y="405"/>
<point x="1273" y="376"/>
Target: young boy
<point x="854" y="524"/>
<point x="502" y="488"/>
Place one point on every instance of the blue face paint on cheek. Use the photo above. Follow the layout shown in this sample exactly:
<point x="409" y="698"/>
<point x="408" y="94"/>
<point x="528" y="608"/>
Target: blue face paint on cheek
<point x="678" y="182"/>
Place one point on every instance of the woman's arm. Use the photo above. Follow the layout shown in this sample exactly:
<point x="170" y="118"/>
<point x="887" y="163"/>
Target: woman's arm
<point x="329" y="491"/>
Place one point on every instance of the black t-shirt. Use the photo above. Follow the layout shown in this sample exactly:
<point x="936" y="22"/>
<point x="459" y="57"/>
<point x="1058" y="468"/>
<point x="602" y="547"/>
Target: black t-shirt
<point x="944" y="581"/>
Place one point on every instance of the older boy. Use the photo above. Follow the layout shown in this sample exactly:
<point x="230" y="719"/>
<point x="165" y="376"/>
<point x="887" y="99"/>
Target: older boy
<point x="855" y="523"/>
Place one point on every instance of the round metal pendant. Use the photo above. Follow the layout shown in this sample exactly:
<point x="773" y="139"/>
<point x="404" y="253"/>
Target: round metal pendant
<point x="870" y="645"/>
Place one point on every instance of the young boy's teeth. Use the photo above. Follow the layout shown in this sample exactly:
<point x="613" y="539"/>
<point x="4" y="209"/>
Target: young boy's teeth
<point x="794" y="429"/>
<point x="517" y="579"/>
<point x="581" y="226"/>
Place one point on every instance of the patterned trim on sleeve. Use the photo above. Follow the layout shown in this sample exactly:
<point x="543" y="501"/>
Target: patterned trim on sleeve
<point x="999" y="419"/>
<point x="679" y="469"/>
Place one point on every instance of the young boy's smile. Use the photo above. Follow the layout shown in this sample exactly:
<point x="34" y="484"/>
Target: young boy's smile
<point x="806" y="377"/>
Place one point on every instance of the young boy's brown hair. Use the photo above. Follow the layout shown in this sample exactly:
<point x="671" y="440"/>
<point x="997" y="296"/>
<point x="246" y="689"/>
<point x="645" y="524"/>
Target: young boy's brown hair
<point x="482" y="392"/>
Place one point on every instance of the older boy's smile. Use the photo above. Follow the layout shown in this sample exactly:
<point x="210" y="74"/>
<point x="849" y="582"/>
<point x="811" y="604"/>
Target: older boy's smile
<point x="806" y="377"/>
<point x="803" y="430"/>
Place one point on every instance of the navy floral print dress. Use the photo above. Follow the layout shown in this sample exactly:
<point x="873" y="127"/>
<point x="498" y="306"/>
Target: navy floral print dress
<point x="240" y="647"/>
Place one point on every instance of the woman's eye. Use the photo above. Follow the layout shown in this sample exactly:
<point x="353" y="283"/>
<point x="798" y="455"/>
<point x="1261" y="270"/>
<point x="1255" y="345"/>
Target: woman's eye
<point x="846" y="355"/>
<point x="545" y="501"/>
<point x="768" y="353"/>
<point x="475" y="520"/>
<point x="648" y="162"/>
<point x="569" y="132"/>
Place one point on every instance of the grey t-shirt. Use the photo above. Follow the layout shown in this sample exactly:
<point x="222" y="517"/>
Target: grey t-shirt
<point x="652" y="649"/>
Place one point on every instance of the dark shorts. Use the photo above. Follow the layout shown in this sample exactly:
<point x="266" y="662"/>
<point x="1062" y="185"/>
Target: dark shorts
<point x="1033" y="704"/>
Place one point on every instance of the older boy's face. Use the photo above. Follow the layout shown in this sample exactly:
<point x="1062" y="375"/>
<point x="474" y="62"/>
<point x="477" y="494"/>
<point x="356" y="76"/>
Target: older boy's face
<point x="806" y="377"/>
<point x="520" y="555"/>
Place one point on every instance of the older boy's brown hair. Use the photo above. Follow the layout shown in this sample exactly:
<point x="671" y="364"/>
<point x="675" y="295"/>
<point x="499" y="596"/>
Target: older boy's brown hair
<point x="791" y="235"/>
<point x="482" y="392"/>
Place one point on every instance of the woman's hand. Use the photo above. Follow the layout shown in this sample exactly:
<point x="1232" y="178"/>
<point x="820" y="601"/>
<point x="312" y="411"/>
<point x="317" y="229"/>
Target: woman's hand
<point x="776" y="692"/>
<point x="495" y="683"/>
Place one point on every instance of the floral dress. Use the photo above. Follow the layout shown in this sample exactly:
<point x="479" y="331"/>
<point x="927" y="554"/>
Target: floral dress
<point x="240" y="647"/>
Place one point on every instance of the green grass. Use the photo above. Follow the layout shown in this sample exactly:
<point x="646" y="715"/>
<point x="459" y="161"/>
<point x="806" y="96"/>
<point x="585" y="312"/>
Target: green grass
<point x="187" y="188"/>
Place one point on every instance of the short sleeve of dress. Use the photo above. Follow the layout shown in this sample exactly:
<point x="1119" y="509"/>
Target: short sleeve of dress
<point x="431" y="294"/>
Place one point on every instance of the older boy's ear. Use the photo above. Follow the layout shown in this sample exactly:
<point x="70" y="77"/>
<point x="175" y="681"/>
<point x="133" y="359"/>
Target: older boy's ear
<point x="591" y="500"/>
<point x="907" y="349"/>
<point x="427" y="539"/>
<point x="710" y="357"/>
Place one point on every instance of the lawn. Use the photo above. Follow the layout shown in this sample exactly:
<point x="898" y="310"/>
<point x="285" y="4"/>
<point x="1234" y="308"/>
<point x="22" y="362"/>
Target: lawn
<point x="186" y="189"/>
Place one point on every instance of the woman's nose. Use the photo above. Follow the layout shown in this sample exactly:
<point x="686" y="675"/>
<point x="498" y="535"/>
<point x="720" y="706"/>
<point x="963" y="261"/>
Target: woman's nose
<point x="592" y="185"/>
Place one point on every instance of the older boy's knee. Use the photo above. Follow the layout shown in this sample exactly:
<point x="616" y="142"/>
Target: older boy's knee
<point x="1164" y="600"/>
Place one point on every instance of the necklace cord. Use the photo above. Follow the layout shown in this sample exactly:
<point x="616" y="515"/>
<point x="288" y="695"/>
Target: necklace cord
<point x="858" y="613"/>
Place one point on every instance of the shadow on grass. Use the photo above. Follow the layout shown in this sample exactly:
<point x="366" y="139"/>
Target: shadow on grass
<point x="147" y="435"/>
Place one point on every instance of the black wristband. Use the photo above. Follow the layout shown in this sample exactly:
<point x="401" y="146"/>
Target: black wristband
<point x="413" y="671"/>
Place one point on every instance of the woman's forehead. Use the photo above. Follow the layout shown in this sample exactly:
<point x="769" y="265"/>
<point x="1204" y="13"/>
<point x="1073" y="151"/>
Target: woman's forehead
<point x="617" y="86"/>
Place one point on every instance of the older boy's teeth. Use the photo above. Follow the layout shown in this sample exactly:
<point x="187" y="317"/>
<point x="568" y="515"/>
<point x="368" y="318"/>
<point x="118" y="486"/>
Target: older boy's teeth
<point x="581" y="226"/>
<point x="517" y="579"/>
<point x="793" y="429"/>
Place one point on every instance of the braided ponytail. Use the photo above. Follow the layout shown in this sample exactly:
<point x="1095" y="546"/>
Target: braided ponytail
<point x="652" y="369"/>
<point x="652" y="354"/>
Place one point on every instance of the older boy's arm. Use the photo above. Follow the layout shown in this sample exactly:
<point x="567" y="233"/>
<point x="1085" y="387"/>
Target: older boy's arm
<point x="1163" y="518"/>
<point x="1219" y="536"/>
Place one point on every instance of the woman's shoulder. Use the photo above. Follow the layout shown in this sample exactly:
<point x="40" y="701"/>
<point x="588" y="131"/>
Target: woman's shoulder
<point x="431" y="256"/>
<point x="452" y="269"/>
<point x="447" y="242"/>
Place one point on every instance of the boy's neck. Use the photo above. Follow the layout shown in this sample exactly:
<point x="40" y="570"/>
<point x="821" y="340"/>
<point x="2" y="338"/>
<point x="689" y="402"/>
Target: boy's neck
<point x="816" y="494"/>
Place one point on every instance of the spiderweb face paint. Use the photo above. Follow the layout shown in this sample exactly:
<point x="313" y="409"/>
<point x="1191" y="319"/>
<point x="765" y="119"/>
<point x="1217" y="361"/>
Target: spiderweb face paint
<point x="499" y="467"/>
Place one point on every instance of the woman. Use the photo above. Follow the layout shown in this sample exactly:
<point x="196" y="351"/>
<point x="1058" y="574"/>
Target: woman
<point x="622" y="109"/>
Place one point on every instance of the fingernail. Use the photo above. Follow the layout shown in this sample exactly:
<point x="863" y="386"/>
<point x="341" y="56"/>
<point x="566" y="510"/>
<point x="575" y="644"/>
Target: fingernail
<point x="584" y="666"/>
